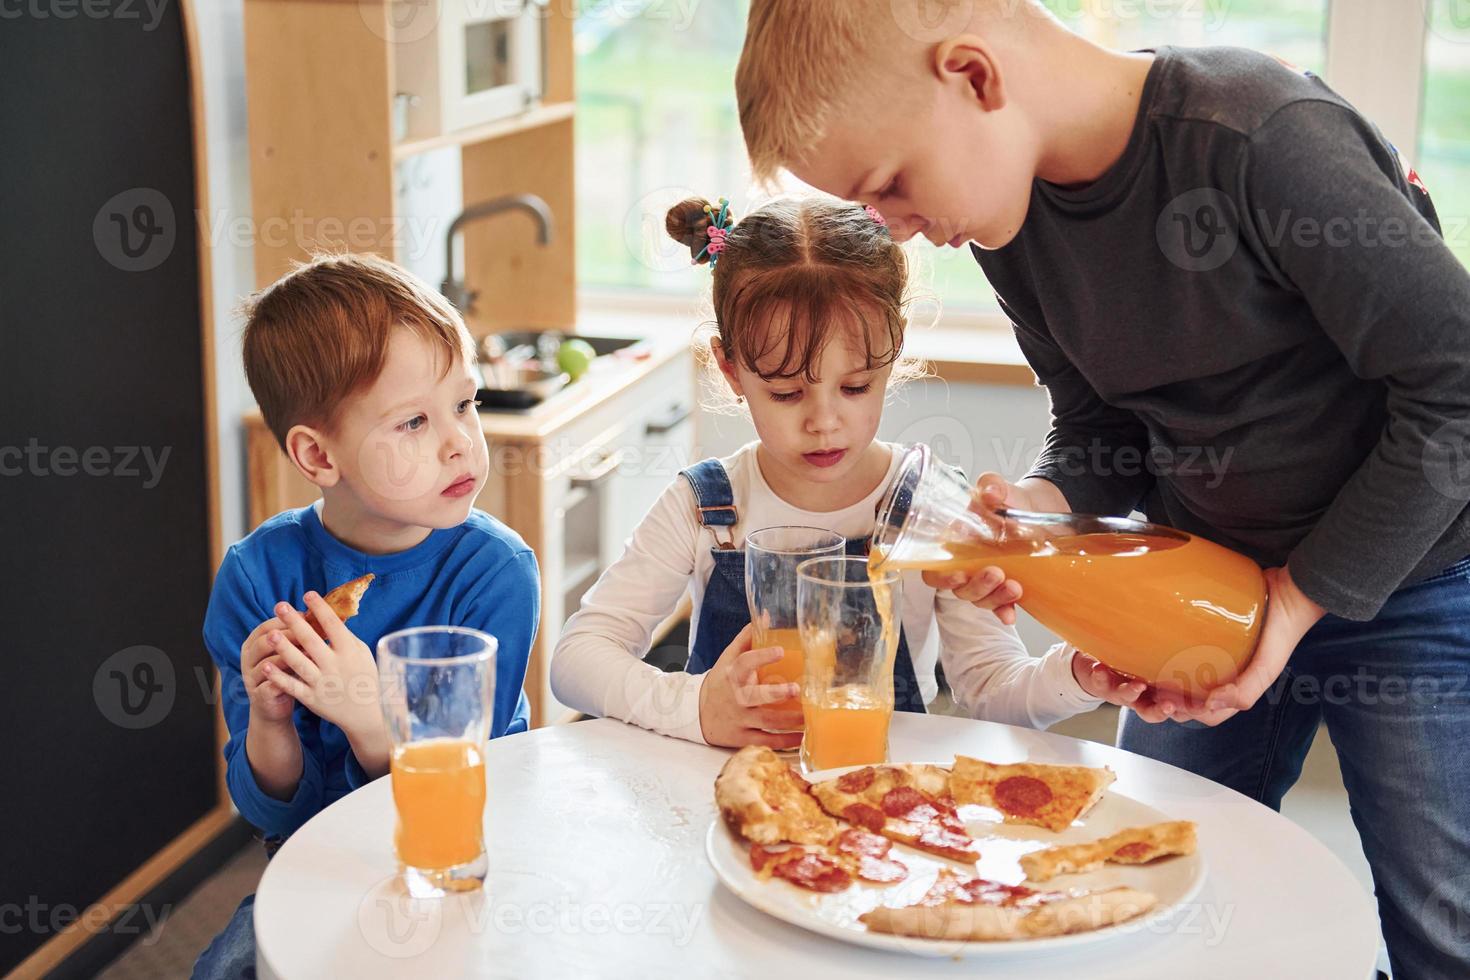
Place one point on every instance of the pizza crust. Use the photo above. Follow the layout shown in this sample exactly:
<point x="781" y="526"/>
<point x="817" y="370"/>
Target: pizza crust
<point x="967" y="922"/>
<point x="1030" y="793"/>
<point x="1135" y="845"/>
<point x="344" y="600"/>
<point x="765" y="801"/>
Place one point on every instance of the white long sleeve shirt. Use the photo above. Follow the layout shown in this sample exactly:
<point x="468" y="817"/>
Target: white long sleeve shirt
<point x="598" y="664"/>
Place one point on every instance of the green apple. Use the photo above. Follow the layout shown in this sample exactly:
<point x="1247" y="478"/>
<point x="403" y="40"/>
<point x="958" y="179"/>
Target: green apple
<point x="575" y="357"/>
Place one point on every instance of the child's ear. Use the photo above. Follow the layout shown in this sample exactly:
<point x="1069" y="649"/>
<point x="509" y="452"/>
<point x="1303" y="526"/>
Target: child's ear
<point x="726" y="368"/>
<point x="308" y="450"/>
<point x="973" y="61"/>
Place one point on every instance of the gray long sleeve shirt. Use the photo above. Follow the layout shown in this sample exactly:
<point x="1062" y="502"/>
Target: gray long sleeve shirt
<point x="1251" y="329"/>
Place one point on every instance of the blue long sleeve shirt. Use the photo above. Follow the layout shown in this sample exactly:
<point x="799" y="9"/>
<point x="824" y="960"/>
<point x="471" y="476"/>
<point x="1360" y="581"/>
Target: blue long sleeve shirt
<point x="479" y="574"/>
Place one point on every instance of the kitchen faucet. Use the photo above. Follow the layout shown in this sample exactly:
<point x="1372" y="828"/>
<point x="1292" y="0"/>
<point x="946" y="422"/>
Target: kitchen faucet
<point x="454" y="287"/>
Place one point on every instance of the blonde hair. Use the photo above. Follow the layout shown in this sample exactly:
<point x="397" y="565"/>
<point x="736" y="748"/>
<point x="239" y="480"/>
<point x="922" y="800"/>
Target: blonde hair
<point x="793" y="274"/>
<point x="320" y="333"/>
<point x="803" y="59"/>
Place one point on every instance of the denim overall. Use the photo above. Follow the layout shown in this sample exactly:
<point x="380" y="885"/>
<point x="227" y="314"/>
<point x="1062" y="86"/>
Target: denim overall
<point x="724" y="611"/>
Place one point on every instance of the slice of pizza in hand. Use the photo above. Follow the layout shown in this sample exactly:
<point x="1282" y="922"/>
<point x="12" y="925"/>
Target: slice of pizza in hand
<point x="1029" y="793"/>
<point x="906" y="803"/>
<point x="766" y="801"/>
<point x="976" y="910"/>
<point x="344" y="601"/>
<point x="1136" y="845"/>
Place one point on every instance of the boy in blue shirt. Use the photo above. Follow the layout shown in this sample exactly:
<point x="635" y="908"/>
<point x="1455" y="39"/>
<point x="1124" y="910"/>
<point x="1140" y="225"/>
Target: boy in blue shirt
<point x="364" y="376"/>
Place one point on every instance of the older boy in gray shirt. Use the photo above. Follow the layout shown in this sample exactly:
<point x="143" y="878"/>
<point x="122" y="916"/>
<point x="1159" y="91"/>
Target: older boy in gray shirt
<point x="1238" y="300"/>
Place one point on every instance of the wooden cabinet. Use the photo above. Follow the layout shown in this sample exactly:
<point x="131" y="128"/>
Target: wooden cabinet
<point x="320" y="92"/>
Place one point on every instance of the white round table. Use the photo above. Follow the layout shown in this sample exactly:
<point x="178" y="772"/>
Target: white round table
<point x="596" y="837"/>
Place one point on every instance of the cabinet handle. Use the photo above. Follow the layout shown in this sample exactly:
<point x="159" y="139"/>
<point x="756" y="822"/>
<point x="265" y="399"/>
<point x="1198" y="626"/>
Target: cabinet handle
<point x="602" y="470"/>
<point x="670" y="420"/>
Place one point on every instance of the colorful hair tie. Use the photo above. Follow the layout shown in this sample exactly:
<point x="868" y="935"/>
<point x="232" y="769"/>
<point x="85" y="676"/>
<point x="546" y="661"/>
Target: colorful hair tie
<point x="878" y="219"/>
<point x="720" y="224"/>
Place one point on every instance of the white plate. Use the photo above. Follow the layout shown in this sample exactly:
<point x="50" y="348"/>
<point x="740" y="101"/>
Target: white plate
<point x="1173" y="881"/>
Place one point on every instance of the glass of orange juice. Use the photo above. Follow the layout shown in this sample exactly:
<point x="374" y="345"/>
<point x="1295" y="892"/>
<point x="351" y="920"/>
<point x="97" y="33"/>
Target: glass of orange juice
<point x="848" y="617"/>
<point x="771" y="557"/>
<point x="438" y="689"/>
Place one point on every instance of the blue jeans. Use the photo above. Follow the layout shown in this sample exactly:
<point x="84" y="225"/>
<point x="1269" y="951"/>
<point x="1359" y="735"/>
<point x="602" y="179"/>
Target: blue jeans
<point x="231" y="956"/>
<point x="1395" y="694"/>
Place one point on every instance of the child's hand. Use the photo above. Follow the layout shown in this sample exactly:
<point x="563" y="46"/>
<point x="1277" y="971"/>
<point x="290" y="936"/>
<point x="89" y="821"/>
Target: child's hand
<point x="1102" y="681"/>
<point x="735" y="707"/>
<point x="267" y="701"/>
<point x="337" y="679"/>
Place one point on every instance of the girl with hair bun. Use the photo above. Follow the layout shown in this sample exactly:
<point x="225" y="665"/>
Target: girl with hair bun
<point x="810" y="298"/>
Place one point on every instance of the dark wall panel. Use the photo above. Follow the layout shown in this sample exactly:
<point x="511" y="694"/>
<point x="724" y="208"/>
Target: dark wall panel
<point x="108" y="730"/>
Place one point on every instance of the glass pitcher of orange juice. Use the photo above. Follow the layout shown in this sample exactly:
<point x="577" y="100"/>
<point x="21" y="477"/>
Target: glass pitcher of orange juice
<point x="1167" y="607"/>
<point x="437" y="686"/>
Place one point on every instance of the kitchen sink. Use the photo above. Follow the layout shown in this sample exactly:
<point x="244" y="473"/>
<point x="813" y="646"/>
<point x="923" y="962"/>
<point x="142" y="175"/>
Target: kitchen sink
<point x="532" y="376"/>
<point x="602" y="345"/>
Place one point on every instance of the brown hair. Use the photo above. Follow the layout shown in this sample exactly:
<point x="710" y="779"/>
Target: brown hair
<point x="794" y="273"/>
<point x="320" y="333"/>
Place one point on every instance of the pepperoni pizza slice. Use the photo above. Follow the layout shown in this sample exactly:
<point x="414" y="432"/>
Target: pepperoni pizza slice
<point x="1136" y="845"/>
<point x="853" y="854"/>
<point x="909" y="804"/>
<point x="1029" y="793"/>
<point x="767" y="802"/>
<point x="974" y="909"/>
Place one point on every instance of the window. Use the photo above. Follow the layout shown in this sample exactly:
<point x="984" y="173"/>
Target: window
<point x="656" y="123"/>
<point x="1444" y="143"/>
<point x="656" y="117"/>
